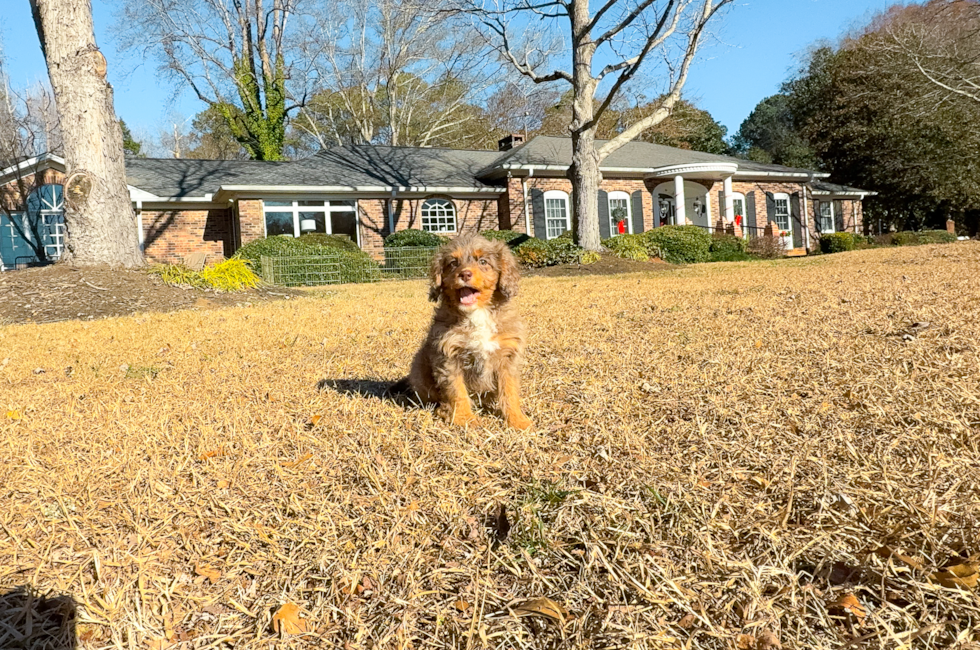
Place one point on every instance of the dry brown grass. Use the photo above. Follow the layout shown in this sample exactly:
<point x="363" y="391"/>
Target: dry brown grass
<point x="724" y="454"/>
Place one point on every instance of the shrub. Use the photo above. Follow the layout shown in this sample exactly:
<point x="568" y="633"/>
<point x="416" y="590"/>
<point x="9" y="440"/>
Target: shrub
<point x="679" y="244"/>
<point x="838" y="242"/>
<point x="563" y="250"/>
<point x="727" y="244"/>
<point x="907" y="238"/>
<point x="589" y="257"/>
<point x="534" y="252"/>
<point x="347" y="263"/>
<point x="229" y="275"/>
<point x="412" y="237"/>
<point x="628" y="247"/>
<point x="766" y="247"/>
<point x="511" y="237"/>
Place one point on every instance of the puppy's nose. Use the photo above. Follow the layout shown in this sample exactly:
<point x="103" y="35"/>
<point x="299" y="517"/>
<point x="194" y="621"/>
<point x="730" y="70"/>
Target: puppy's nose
<point x="466" y="275"/>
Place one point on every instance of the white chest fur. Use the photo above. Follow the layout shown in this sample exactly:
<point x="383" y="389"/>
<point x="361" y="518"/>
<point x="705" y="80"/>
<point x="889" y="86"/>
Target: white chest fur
<point x="482" y="330"/>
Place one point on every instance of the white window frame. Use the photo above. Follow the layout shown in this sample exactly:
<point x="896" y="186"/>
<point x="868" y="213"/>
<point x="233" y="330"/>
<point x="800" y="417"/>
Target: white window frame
<point x="620" y="196"/>
<point x="295" y="209"/>
<point x="439" y="204"/>
<point x="556" y="195"/>
<point x="776" y="198"/>
<point x="821" y="216"/>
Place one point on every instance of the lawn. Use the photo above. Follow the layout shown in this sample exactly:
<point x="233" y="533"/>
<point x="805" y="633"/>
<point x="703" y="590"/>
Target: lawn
<point x="725" y="456"/>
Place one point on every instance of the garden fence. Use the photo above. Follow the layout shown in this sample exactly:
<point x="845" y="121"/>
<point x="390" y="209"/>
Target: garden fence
<point x="346" y="267"/>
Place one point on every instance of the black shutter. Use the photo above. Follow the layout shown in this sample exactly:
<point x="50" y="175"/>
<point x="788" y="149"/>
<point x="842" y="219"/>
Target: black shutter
<point x="537" y="215"/>
<point x="796" y="223"/>
<point x="839" y="216"/>
<point x="750" y="212"/>
<point x="770" y="208"/>
<point x="637" y="198"/>
<point x="604" y="215"/>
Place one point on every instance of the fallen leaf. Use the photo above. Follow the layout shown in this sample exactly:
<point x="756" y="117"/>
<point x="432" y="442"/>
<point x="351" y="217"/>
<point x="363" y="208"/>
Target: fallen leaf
<point x="156" y="644"/>
<point x="501" y="526"/>
<point x="211" y="454"/>
<point x="286" y="620"/>
<point x="413" y="506"/>
<point x="223" y="484"/>
<point x="687" y="622"/>
<point x="544" y="607"/>
<point x="745" y="642"/>
<point x="767" y="641"/>
<point x="315" y="420"/>
<point x="758" y="344"/>
<point x="461" y="605"/>
<point x="849" y="604"/>
<point x="886" y="553"/>
<point x="963" y="576"/>
<point x="212" y="574"/>
<point x="13" y="415"/>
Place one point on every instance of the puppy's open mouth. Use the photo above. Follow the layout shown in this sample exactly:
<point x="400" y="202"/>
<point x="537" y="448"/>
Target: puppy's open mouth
<point x="468" y="296"/>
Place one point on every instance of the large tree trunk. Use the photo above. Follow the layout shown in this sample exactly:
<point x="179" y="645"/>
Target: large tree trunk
<point x="585" y="176"/>
<point x="99" y="219"/>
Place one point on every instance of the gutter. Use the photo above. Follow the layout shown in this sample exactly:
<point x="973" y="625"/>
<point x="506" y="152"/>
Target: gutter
<point x="652" y="170"/>
<point x="391" y="211"/>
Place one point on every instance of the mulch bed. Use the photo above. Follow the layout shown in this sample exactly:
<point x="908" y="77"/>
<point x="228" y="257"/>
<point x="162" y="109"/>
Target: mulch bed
<point x="60" y="292"/>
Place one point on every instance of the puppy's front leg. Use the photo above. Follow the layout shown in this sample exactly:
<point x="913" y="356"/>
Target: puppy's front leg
<point x="455" y="404"/>
<point x="509" y="391"/>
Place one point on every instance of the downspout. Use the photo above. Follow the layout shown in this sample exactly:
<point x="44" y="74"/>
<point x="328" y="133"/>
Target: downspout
<point x="391" y="211"/>
<point x="806" y="217"/>
<point x="527" y="209"/>
<point x="139" y="226"/>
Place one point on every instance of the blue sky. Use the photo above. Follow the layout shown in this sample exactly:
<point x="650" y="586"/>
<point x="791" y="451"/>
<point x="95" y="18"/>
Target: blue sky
<point x="754" y="49"/>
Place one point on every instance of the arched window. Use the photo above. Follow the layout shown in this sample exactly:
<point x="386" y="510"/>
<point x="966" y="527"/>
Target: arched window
<point x="620" y="210"/>
<point x="556" y="213"/>
<point x="439" y="215"/>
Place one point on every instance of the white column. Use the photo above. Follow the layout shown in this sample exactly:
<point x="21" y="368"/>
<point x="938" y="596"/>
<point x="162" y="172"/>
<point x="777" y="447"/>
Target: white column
<point x="729" y="201"/>
<point x="679" y="201"/>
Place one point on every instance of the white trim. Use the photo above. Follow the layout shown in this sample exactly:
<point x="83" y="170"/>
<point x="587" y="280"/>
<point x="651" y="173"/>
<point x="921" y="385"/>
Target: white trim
<point x="295" y="209"/>
<point x="693" y="168"/>
<point x="562" y="196"/>
<point x="621" y="196"/>
<point x="833" y="219"/>
<point x="451" y="212"/>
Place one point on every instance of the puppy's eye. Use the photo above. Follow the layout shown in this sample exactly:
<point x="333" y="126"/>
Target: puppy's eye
<point x="453" y="263"/>
<point x="484" y="261"/>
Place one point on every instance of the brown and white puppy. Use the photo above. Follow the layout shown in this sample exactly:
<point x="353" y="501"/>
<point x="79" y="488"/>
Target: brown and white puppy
<point x="476" y="341"/>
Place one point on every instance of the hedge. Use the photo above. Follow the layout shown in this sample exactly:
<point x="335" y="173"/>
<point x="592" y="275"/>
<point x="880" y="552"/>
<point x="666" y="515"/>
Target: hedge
<point x="728" y="248"/>
<point x="907" y="238"/>
<point x="679" y="244"/>
<point x="838" y="242"/>
<point x="628" y="247"/>
<point x="413" y="237"/>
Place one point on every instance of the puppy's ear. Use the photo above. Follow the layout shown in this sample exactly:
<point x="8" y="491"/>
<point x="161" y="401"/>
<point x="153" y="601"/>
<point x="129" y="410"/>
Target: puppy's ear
<point x="510" y="272"/>
<point x="435" y="275"/>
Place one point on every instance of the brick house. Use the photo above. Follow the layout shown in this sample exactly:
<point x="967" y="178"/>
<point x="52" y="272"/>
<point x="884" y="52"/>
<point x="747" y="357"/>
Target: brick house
<point x="366" y="192"/>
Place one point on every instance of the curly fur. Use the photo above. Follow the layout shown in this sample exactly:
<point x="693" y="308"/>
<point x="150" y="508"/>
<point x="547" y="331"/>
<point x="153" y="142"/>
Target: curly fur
<point x="475" y="343"/>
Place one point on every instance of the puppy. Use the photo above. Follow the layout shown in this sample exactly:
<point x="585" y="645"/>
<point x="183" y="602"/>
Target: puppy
<point x="476" y="341"/>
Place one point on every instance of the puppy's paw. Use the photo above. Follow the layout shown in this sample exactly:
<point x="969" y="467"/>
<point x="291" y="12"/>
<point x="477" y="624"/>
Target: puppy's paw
<point x="519" y="421"/>
<point x="457" y="417"/>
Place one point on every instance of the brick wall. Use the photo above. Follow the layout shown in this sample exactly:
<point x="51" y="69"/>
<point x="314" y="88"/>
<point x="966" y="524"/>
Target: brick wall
<point x="472" y="215"/>
<point x="251" y="220"/>
<point x="169" y="236"/>
<point x="760" y="189"/>
<point x="853" y="213"/>
<point x="546" y="184"/>
<point x="10" y="194"/>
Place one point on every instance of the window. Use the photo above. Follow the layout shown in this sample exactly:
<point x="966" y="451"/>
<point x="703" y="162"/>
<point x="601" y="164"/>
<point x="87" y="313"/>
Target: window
<point x="439" y="215"/>
<point x="782" y="211"/>
<point x="619" y="210"/>
<point x="826" y="216"/>
<point x="738" y="206"/>
<point x="297" y="218"/>
<point x="556" y="213"/>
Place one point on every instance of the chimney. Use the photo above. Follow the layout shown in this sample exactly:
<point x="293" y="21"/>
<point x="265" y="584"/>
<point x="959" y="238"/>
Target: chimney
<point x="508" y="142"/>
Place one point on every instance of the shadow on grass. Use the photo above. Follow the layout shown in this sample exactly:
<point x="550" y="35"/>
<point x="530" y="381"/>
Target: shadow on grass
<point x="394" y="392"/>
<point x="31" y="621"/>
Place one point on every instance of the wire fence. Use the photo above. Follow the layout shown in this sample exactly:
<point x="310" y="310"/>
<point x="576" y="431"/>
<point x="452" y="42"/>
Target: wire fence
<point x="748" y="232"/>
<point x="346" y="267"/>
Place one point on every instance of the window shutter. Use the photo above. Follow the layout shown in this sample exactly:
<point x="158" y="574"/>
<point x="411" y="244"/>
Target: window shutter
<point x="537" y="214"/>
<point x="604" y="215"/>
<point x="839" y="216"/>
<point x="637" y="198"/>
<point x="750" y="211"/>
<point x="797" y="220"/>
<point x="770" y="207"/>
<point x="722" y="214"/>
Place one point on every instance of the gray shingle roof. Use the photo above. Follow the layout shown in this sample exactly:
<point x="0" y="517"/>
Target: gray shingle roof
<point x="549" y="150"/>
<point x="833" y="188"/>
<point x="354" y="166"/>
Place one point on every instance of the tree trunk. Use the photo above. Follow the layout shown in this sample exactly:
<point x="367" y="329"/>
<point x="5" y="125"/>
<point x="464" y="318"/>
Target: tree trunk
<point x="99" y="219"/>
<point x="585" y="177"/>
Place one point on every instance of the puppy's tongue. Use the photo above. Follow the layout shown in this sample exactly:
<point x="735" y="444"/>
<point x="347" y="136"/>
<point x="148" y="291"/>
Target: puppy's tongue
<point x="468" y="295"/>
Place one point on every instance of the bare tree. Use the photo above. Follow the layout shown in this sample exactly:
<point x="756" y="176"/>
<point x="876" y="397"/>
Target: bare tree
<point x="235" y="55"/>
<point x="605" y="51"/>
<point x="99" y="219"/>
<point x="397" y="72"/>
<point x="940" y="41"/>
